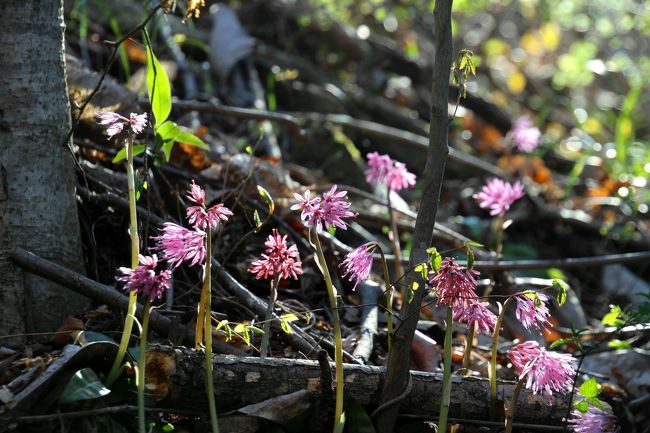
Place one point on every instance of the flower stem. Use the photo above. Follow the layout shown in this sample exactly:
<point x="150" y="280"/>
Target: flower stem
<point x="267" y="319"/>
<point x="338" y="344"/>
<point x="467" y="359"/>
<point x="207" y="290"/>
<point x="493" y="359"/>
<point x="200" y="321"/>
<point x="389" y="295"/>
<point x="446" y="378"/>
<point x="142" y="362"/>
<point x="116" y="368"/>
<point x="510" y="415"/>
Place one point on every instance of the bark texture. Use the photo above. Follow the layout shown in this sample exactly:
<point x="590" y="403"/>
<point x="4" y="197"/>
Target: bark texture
<point x="37" y="205"/>
<point x="178" y="374"/>
<point x="399" y="356"/>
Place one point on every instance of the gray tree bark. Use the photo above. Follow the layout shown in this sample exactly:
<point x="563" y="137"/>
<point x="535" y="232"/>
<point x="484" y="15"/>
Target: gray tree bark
<point x="37" y="178"/>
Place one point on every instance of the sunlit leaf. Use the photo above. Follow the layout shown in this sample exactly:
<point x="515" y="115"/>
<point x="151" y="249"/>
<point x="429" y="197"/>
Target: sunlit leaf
<point x="589" y="388"/>
<point x="158" y="88"/>
<point x="267" y="198"/>
<point x="84" y="385"/>
<point x="137" y="150"/>
<point x="561" y="288"/>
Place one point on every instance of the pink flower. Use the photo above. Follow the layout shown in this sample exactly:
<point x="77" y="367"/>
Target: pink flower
<point x="593" y="421"/>
<point x="453" y="283"/>
<point x="279" y="259"/>
<point x="328" y="211"/>
<point x="358" y="263"/>
<point x="383" y="169"/>
<point x="475" y="313"/>
<point x="144" y="279"/>
<point x="532" y="310"/>
<point x="525" y="135"/>
<point x="544" y="371"/>
<point x="499" y="195"/>
<point x="116" y="123"/>
<point x="179" y="244"/>
<point x="199" y="216"/>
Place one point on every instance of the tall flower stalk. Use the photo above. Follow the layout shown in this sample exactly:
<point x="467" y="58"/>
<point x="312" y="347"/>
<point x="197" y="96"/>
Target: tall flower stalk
<point x="328" y="211"/>
<point x="279" y="261"/>
<point x="115" y="126"/>
<point x="178" y="245"/>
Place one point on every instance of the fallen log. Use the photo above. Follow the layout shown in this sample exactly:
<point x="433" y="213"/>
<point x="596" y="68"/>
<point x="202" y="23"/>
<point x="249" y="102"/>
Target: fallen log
<point x="241" y="381"/>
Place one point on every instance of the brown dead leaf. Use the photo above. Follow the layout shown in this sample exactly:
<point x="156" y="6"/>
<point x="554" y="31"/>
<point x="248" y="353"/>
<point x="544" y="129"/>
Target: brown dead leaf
<point x="68" y="332"/>
<point x="160" y="367"/>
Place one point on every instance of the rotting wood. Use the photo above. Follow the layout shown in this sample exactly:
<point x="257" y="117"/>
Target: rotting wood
<point x="242" y="381"/>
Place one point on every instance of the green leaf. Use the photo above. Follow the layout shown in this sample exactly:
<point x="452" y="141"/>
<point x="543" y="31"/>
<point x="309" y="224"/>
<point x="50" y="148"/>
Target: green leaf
<point x="435" y="259"/>
<point x="285" y="326"/>
<point x="561" y="288"/>
<point x="560" y="342"/>
<point x="255" y="329"/>
<point x="358" y="420"/>
<point x="168" y="131"/>
<point x="589" y="388"/>
<point x="256" y="220"/>
<point x="470" y="258"/>
<point x="340" y="424"/>
<point x="84" y="385"/>
<point x="473" y="244"/>
<point x="289" y="317"/>
<point x="595" y="402"/>
<point x="242" y="330"/>
<point x="169" y="427"/>
<point x="582" y="406"/>
<point x="92" y="337"/>
<point x="267" y="198"/>
<point x="221" y="324"/>
<point x="422" y="270"/>
<point x="619" y="344"/>
<point x="191" y="139"/>
<point x="158" y="88"/>
<point x="613" y="317"/>
<point x="137" y="150"/>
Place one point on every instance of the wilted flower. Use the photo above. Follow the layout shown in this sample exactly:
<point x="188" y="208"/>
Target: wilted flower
<point x="525" y="135"/>
<point x="383" y="169"/>
<point x="454" y="283"/>
<point x="179" y="244"/>
<point x="499" y="195"/>
<point x="544" y="371"/>
<point x="532" y="310"/>
<point x="358" y="263"/>
<point x="116" y="123"/>
<point x="279" y="260"/>
<point x="200" y="216"/>
<point x="475" y="313"/>
<point x="144" y="279"/>
<point x="593" y="421"/>
<point x="327" y="211"/>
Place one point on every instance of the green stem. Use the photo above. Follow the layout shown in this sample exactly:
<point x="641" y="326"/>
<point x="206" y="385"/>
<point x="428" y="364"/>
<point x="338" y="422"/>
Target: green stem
<point x="510" y="415"/>
<point x="446" y="378"/>
<point x="142" y="362"/>
<point x="498" y="233"/>
<point x="116" y="368"/>
<point x="338" y="344"/>
<point x="397" y="249"/>
<point x="493" y="359"/>
<point x="467" y="359"/>
<point x="207" y="289"/>
<point x="267" y="319"/>
<point x="389" y="295"/>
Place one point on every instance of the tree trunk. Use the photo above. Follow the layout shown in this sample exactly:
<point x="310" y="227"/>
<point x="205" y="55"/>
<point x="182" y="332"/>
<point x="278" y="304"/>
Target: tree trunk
<point x="37" y="178"/>
<point x="177" y="373"/>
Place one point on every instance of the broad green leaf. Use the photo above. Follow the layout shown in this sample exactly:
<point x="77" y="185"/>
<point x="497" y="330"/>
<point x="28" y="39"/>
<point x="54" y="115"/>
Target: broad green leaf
<point x="267" y="198"/>
<point x="158" y="88"/>
<point x="595" y="402"/>
<point x="613" y="317"/>
<point x="84" y="385"/>
<point x="582" y="406"/>
<point x="168" y="131"/>
<point x="560" y="342"/>
<point x="589" y="388"/>
<point x="619" y="344"/>
<point x="137" y="150"/>
<point x="92" y="337"/>
<point x="561" y="288"/>
<point x="191" y="139"/>
<point x="422" y="270"/>
<point x="358" y="420"/>
<point x="435" y="259"/>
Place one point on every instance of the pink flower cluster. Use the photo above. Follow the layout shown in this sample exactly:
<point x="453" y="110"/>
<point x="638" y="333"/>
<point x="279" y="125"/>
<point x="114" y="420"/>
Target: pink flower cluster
<point x="499" y="195"/>
<point x="179" y="244"/>
<point x="545" y="371"/>
<point x="593" y="421"/>
<point x="525" y="135"/>
<point x="116" y="123"/>
<point x="384" y="169"/>
<point x="328" y="211"/>
<point x="358" y="263"/>
<point x="144" y="280"/>
<point x="200" y="216"/>
<point x="454" y="284"/>
<point x="472" y="312"/>
<point x="532" y="310"/>
<point x="278" y="260"/>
